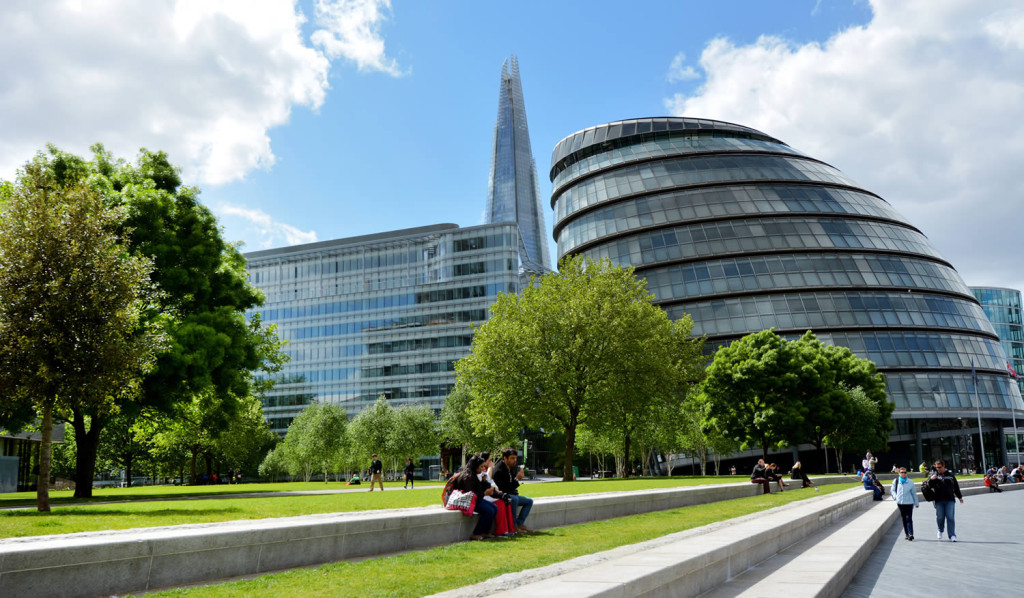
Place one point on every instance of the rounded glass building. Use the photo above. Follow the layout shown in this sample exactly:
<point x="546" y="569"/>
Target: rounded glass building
<point x="745" y="233"/>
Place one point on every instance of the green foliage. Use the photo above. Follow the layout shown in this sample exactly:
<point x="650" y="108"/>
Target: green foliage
<point x="415" y="433"/>
<point x="314" y="440"/>
<point x="579" y="347"/>
<point x="371" y="432"/>
<point x="74" y="333"/>
<point x="867" y="427"/>
<point x="274" y="464"/>
<point x="765" y="391"/>
<point x="456" y="426"/>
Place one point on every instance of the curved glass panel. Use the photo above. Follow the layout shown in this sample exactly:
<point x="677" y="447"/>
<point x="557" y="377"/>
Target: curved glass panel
<point x="666" y="146"/>
<point x="815" y="310"/>
<point x="757" y="235"/>
<point x="717" y="202"/>
<point x="920" y="349"/>
<point x="650" y="177"/>
<point x="951" y="390"/>
<point x="799" y="271"/>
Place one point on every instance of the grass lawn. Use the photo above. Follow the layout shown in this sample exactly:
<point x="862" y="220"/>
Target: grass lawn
<point x="438" y="569"/>
<point x="138" y="512"/>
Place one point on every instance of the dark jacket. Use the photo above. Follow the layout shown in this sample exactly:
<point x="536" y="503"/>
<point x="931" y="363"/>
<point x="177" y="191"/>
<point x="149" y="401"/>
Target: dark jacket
<point x="505" y="478"/>
<point x="945" y="486"/>
<point x="376" y="466"/>
<point x="760" y="471"/>
<point x="410" y="469"/>
<point x="470" y="483"/>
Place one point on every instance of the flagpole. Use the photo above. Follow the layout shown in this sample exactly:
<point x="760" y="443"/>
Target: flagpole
<point x="977" y="407"/>
<point x="1013" y="413"/>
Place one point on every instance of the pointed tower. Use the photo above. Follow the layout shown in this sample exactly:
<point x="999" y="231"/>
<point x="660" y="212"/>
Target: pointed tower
<point x="514" y="194"/>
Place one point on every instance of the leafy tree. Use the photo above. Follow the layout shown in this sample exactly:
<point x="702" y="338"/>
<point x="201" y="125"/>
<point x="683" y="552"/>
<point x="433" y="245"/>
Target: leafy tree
<point x="204" y="293"/>
<point x="314" y="438"/>
<point x="456" y="426"/>
<point x="563" y="349"/>
<point x="74" y="335"/>
<point x="247" y="439"/>
<point x="371" y="431"/>
<point x="274" y="464"/>
<point x="415" y="433"/>
<point x="868" y="426"/>
<point x="751" y="392"/>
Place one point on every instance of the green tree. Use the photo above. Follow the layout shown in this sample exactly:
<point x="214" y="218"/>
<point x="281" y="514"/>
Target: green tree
<point x="572" y="342"/>
<point x="247" y="439"/>
<point x="314" y="438"/>
<point x="456" y="426"/>
<point x="274" y="464"/>
<point x="415" y="433"/>
<point x="204" y="293"/>
<point x="868" y="426"/>
<point x="371" y="432"/>
<point x="74" y="336"/>
<point x="751" y="391"/>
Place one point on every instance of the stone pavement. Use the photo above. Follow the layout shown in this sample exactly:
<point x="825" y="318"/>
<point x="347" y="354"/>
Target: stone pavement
<point x="985" y="560"/>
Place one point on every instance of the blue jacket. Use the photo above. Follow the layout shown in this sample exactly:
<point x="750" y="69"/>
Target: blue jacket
<point x="904" y="493"/>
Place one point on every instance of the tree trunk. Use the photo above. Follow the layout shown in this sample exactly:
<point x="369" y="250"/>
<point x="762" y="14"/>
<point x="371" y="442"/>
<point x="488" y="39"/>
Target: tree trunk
<point x="128" y="458"/>
<point x="570" y="449"/>
<point x="626" y="441"/>
<point x="192" y="468"/>
<point x="43" y="487"/>
<point x="87" y="444"/>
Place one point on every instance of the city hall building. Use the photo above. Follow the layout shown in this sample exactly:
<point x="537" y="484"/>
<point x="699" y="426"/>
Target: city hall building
<point x="386" y="314"/>
<point x="745" y="233"/>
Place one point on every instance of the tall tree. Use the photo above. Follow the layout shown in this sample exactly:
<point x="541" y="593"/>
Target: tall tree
<point x="314" y="439"/>
<point x="74" y="336"/>
<point x="204" y="293"/>
<point x="371" y="432"/>
<point x="868" y="426"/>
<point x="415" y="433"/>
<point x="750" y="388"/>
<point x="456" y="425"/>
<point x="564" y="348"/>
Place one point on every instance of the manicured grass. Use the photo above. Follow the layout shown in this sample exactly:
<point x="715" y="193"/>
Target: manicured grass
<point x="68" y="518"/>
<point x="438" y="569"/>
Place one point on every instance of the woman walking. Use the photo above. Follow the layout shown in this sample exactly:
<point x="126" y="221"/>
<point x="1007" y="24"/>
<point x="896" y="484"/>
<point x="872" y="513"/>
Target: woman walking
<point x="905" y="495"/>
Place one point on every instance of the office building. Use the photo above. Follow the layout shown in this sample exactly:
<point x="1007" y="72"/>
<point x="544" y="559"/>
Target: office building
<point x="383" y="314"/>
<point x="1003" y="308"/>
<point x="513" y="191"/>
<point x="745" y="233"/>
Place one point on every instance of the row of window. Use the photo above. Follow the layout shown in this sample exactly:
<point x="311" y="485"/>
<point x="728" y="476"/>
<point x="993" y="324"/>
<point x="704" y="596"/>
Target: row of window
<point x="759" y="235"/>
<point x="652" y="177"/>
<point x="304" y="374"/>
<point x="994" y="298"/>
<point x="920" y="349"/>
<point x="803" y="311"/>
<point x="799" y="271"/>
<point x="717" y="202"/>
<point x="671" y="146"/>
<point x="950" y="391"/>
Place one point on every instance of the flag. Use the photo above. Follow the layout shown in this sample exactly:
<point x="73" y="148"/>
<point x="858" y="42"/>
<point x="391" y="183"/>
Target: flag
<point x="1013" y="372"/>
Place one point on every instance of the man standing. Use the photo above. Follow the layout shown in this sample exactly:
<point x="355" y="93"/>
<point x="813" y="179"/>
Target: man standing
<point x="946" y="489"/>
<point x="376" y="472"/>
<point x="506" y="474"/>
<point x="410" y="469"/>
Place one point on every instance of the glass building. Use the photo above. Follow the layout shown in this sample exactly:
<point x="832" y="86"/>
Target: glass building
<point x="513" y="192"/>
<point x="745" y="233"/>
<point x="1003" y="308"/>
<point x="383" y="314"/>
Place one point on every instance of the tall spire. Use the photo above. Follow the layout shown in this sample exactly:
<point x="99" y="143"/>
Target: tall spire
<point x="514" y="193"/>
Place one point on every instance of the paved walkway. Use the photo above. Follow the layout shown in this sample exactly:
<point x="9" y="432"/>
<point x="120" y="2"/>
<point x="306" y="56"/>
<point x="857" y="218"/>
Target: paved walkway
<point x="985" y="559"/>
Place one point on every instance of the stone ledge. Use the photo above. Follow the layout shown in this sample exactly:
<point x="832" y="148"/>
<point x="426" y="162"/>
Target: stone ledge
<point x="104" y="563"/>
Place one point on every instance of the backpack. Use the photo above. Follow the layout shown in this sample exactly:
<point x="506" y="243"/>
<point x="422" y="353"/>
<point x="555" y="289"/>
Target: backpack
<point x="448" y="487"/>
<point x="927" y="491"/>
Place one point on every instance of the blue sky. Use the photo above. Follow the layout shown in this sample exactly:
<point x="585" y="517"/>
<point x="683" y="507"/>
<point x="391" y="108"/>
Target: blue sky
<point x="321" y="119"/>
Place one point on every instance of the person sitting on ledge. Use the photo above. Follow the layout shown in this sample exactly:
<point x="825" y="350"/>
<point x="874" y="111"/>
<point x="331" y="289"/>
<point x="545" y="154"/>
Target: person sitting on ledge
<point x="775" y="475"/>
<point x="871" y="483"/>
<point x="797" y="474"/>
<point x="760" y="476"/>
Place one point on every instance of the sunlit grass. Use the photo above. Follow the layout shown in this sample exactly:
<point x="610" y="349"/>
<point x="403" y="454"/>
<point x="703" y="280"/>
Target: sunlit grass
<point x="438" y="569"/>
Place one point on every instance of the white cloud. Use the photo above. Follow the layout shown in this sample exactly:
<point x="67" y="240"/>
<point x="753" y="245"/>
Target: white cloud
<point x="204" y="80"/>
<point x="679" y="71"/>
<point x="265" y="226"/>
<point x="924" y="106"/>
<point x="352" y="30"/>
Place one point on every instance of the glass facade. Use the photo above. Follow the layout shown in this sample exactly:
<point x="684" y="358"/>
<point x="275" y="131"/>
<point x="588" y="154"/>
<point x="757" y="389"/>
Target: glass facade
<point x="745" y="233"/>
<point x="514" y="193"/>
<point x="1003" y="308"/>
<point x="387" y="314"/>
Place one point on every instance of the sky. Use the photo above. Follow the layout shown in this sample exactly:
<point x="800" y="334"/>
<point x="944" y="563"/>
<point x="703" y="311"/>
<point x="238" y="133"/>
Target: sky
<point x="311" y="120"/>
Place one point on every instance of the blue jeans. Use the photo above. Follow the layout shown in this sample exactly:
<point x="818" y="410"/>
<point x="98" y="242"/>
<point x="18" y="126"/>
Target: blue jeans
<point x="521" y="501"/>
<point x="487" y="512"/>
<point x="944" y="510"/>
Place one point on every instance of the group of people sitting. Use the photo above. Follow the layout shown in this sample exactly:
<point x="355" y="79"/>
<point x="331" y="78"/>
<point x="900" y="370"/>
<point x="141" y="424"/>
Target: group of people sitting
<point x="996" y="476"/>
<point x="766" y="474"/>
<point x="491" y="490"/>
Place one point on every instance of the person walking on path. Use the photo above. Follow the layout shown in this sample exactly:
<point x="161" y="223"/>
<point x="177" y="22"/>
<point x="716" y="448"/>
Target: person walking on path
<point x="946" y="489"/>
<point x="410" y="469"/>
<point x="904" y="493"/>
<point x="376" y="472"/>
<point x="760" y="476"/>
